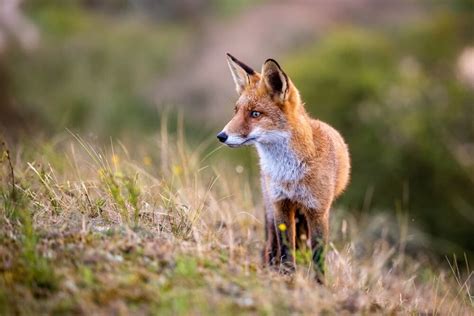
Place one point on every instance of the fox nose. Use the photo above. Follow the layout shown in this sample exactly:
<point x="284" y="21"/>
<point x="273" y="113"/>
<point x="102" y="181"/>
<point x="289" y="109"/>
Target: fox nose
<point x="222" y="136"/>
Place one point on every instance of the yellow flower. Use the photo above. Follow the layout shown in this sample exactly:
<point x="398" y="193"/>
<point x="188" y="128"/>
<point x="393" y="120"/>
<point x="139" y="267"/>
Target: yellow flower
<point x="282" y="227"/>
<point x="177" y="170"/>
<point x="147" y="160"/>
<point x="115" y="160"/>
<point x="101" y="172"/>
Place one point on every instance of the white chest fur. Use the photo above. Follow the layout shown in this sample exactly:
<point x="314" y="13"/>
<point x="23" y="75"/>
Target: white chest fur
<point x="284" y="169"/>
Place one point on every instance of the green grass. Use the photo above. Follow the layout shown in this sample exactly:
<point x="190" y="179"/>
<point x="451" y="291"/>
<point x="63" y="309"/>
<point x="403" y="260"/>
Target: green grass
<point x="156" y="229"/>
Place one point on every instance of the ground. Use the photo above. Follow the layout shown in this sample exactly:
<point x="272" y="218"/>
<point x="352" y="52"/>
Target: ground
<point x="164" y="229"/>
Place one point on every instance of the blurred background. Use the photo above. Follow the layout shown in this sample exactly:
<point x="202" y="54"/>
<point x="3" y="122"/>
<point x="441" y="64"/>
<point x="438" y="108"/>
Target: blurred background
<point x="395" y="77"/>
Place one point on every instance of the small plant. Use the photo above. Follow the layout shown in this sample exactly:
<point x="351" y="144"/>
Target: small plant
<point x="133" y="191"/>
<point x="124" y="191"/>
<point x="5" y="157"/>
<point x="112" y="183"/>
<point x="31" y="268"/>
<point x="46" y="181"/>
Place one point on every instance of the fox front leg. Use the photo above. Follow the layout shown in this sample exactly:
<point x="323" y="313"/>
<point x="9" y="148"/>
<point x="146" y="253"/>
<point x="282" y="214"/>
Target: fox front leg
<point x="285" y="231"/>
<point x="270" y="251"/>
<point x="318" y="224"/>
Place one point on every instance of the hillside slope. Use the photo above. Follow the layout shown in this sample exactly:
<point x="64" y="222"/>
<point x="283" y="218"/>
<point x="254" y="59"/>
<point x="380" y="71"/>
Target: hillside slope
<point x="161" y="229"/>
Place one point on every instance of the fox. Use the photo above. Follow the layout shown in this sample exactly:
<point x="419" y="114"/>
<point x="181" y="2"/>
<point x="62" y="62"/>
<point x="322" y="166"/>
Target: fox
<point x="304" y="162"/>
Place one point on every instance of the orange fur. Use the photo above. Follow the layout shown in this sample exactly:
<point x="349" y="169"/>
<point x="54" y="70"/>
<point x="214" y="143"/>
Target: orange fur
<point x="305" y="162"/>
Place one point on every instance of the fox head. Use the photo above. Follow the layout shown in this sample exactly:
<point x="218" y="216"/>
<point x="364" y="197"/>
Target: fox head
<point x="268" y="103"/>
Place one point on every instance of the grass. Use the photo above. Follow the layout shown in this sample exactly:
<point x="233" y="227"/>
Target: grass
<point x="162" y="228"/>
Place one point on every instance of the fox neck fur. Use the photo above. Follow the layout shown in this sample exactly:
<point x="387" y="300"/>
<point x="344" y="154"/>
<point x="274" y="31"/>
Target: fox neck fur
<point x="286" y="165"/>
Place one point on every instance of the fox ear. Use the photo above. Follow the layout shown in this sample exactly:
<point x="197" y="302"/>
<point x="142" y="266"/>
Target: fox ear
<point x="275" y="80"/>
<point x="240" y="73"/>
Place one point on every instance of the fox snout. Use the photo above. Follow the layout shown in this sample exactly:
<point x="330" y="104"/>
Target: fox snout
<point x="222" y="137"/>
<point x="235" y="140"/>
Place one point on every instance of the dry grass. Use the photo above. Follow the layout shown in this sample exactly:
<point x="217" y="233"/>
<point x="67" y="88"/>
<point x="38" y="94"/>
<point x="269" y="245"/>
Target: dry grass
<point x="161" y="230"/>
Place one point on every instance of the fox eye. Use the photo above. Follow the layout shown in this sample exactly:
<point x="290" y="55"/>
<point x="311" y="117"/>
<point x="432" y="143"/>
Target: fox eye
<point x="255" y="114"/>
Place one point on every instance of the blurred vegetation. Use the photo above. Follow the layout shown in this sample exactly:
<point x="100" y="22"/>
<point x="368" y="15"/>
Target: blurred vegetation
<point x="98" y="62"/>
<point x="397" y="100"/>
<point x="83" y="75"/>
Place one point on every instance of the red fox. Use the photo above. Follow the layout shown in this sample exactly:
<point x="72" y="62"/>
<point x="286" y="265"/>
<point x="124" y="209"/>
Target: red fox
<point x="304" y="162"/>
